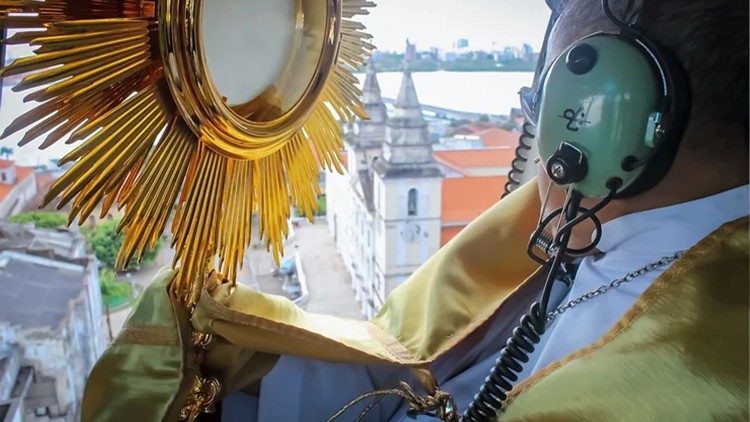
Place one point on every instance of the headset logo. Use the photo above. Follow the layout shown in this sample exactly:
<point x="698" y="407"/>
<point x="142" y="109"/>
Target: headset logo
<point x="575" y="118"/>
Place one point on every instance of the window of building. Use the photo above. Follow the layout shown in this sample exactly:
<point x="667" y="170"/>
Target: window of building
<point x="412" y="206"/>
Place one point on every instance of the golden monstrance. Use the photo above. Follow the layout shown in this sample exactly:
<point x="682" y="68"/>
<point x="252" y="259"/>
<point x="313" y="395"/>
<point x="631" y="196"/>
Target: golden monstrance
<point x="218" y="109"/>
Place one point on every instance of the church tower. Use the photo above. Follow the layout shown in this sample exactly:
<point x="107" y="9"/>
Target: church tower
<point x="364" y="141"/>
<point x="408" y="186"/>
<point x="371" y="132"/>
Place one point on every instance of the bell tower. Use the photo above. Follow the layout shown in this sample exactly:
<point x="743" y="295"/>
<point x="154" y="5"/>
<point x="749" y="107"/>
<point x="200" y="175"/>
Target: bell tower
<point x="364" y="141"/>
<point x="408" y="186"/>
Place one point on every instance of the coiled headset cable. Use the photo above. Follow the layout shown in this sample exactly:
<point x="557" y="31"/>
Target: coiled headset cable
<point x="519" y="163"/>
<point x="489" y="400"/>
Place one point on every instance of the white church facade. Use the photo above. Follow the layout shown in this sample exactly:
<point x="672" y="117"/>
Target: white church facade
<point x="400" y="199"/>
<point x="384" y="212"/>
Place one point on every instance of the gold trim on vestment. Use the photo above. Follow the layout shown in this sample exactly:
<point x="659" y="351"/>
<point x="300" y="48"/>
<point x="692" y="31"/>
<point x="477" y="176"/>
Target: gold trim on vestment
<point x="641" y="306"/>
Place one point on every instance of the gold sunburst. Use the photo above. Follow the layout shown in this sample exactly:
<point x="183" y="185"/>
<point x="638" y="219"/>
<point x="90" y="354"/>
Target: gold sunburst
<point x="124" y="78"/>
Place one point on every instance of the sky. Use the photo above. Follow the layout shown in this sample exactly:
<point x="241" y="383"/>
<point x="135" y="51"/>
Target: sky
<point x="439" y="23"/>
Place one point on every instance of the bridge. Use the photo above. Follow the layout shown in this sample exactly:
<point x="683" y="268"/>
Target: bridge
<point x="448" y="114"/>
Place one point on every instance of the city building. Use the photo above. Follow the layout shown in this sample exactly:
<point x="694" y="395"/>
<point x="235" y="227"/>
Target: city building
<point x="474" y="181"/>
<point x="448" y="56"/>
<point x="461" y="43"/>
<point x="527" y="53"/>
<point x="479" y="136"/>
<point x="17" y="187"/>
<point x="45" y="176"/>
<point x="459" y="142"/>
<point x="400" y="200"/>
<point x="510" y="53"/>
<point x="51" y="322"/>
<point x="15" y="381"/>
<point x="480" y="162"/>
<point x="496" y="137"/>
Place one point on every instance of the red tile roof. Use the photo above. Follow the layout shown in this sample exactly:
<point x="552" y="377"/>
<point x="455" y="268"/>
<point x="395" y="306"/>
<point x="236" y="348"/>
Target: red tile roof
<point x="5" y="190"/>
<point x="344" y="157"/>
<point x="448" y="233"/>
<point x="492" y="136"/>
<point x="21" y="174"/>
<point x="465" y="198"/>
<point x="462" y="160"/>
<point x="498" y="137"/>
<point x="477" y="127"/>
<point x="4" y="164"/>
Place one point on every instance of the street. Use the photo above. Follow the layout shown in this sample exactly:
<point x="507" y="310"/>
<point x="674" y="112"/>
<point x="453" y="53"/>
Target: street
<point x="329" y="283"/>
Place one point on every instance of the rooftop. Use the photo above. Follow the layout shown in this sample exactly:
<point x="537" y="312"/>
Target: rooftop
<point x="499" y="137"/>
<point x="473" y="128"/>
<point x="35" y="292"/>
<point x="21" y="174"/>
<point x="64" y="244"/>
<point x="477" y="162"/>
<point x="406" y="171"/>
<point x="465" y="198"/>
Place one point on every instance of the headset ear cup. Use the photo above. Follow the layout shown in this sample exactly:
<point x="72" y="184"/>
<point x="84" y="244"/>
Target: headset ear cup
<point x="675" y="124"/>
<point x="603" y="110"/>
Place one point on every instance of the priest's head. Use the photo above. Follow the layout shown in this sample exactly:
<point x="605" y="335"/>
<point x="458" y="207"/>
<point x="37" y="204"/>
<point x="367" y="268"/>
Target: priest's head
<point x="710" y="40"/>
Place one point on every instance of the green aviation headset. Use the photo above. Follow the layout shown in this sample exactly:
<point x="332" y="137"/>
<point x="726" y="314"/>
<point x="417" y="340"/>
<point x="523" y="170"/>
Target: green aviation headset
<point x="609" y="114"/>
<point x="612" y="109"/>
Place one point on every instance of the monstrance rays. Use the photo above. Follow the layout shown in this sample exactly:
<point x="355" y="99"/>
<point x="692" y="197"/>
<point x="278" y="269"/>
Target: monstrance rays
<point x="97" y="76"/>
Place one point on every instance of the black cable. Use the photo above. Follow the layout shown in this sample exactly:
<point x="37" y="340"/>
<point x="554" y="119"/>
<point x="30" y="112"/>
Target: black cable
<point x="489" y="400"/>
<point x="613" y="185"/>
<point x="571" y="209"/>
<point x="523" y="150"/>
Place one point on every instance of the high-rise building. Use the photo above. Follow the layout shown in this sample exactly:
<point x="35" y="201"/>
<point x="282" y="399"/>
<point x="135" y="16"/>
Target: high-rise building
<point x="461" y="43"/>
<point x="527" y="53"/>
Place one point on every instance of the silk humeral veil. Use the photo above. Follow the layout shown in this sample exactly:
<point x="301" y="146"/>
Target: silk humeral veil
<point x="680" y="353"/>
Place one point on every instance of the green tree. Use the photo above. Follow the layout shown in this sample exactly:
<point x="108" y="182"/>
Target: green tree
<point x="113" y="292"/>
<point x="41" y="219"/>
<point x="510" y="126"/>
<point x="322" y="207"/>
<point x="105" y="242"/>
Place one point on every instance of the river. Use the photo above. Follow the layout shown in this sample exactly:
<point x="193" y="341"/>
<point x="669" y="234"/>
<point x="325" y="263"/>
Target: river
<point x="477" y="92"/>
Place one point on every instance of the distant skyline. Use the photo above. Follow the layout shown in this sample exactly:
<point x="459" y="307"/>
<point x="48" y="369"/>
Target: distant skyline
<point x="439" y="23"/>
